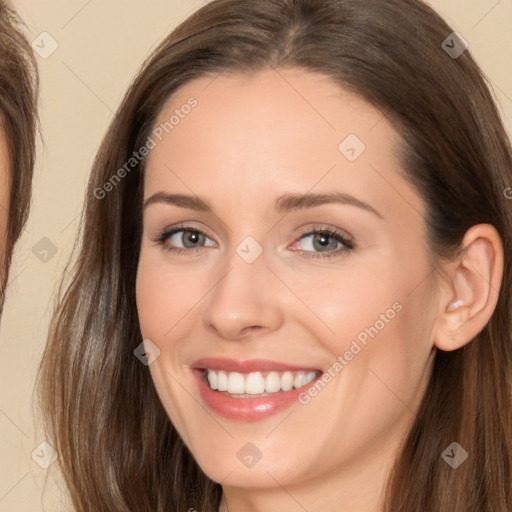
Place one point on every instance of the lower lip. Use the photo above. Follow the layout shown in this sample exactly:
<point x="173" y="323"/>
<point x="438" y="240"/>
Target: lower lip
<point x="247" y="409"/>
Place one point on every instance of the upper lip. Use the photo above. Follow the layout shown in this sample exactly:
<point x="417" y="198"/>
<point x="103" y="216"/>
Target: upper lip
<point x="246" y="366"/>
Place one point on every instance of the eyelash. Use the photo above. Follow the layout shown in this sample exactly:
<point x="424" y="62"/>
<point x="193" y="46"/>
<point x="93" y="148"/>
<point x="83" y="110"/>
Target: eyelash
<point x="348" y="245"/>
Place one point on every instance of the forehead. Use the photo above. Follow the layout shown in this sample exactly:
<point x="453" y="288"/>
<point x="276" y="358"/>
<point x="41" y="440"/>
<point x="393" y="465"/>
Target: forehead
<point x="265" y="102"/>
<point x="270" y="131"/>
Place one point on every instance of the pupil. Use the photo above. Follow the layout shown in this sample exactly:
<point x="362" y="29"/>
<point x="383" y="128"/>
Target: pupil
<point x="322" y="241"/>
<point x="192" y="238"/>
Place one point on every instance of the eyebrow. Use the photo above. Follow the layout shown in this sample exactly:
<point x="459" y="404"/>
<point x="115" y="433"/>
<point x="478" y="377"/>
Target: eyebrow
<point x="284" y="204"/>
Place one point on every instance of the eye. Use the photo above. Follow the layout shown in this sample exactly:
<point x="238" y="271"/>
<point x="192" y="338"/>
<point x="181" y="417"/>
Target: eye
<point x="324" y="243"/>
<point x="318" y="243"/>
<point x="183" y="238"/>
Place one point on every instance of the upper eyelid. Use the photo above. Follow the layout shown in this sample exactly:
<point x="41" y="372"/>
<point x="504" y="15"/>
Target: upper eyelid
<point x="183" y="227"/>
<point x="316" y="227"/>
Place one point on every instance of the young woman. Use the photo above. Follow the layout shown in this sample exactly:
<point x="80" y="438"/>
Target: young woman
<point x="18" y="125"/>
<point x="293" y="285"/>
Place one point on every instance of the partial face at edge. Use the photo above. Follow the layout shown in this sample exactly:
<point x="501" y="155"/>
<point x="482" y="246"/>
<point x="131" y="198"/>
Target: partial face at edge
<point x="248" y="141"/>
<point x="5" y="187"/>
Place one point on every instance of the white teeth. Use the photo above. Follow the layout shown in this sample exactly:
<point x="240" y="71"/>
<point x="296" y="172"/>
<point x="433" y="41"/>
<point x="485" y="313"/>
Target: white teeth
<point x="272" y="382"/>
<point x="212" y="380"/>
<point x="255" y="383"/>
<point x="300" y="380"/>
<point x="236" y="383"/>
<point x="287" y="381"/>
<point x="222" y="381"/>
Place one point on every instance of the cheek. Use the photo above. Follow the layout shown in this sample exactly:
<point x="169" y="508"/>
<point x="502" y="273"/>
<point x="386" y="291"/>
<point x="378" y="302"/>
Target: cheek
<point x="375" y="316"/>
<point x="379" y="354"/>
<point x="164" y="293"/>
<point x="341" y="304"/>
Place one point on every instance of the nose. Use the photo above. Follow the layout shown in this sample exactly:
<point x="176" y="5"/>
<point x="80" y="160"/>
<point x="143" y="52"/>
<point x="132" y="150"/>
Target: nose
<point x="245" y="301"/>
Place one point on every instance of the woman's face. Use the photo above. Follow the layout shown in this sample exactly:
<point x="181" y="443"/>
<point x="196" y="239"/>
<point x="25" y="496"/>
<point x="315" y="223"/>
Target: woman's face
<point x="294" y="287"/>
<point x="5" y="188"/>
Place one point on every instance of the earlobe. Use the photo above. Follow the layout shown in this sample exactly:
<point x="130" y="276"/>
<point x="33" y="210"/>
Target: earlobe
<point x="474" y="280"/>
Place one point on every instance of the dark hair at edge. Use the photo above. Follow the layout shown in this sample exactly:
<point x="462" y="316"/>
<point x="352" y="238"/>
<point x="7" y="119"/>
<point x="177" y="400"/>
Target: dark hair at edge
<point x="19" y="84"/>
<point x="118" y="449"/>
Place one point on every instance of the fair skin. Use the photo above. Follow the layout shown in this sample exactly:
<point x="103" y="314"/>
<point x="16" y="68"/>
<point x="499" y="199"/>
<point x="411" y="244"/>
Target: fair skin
<point x="250" y="140"/>
<point x="5" y="187"/>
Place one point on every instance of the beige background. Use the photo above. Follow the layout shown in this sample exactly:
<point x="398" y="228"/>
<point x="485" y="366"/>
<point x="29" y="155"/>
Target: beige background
<point x="101" y="43"/>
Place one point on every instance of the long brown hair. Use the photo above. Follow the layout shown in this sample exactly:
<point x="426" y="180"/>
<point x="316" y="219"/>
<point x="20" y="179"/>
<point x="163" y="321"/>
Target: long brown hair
<point x="19" y="83"/>
<point x="118" y="449"/>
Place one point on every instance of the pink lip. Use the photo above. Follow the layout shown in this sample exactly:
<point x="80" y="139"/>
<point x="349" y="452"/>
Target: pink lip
<point x="247" y="366"/>
<point x="246" y="409"/>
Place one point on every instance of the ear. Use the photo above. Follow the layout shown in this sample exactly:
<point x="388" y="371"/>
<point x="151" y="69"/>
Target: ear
<point x="471" y="289"/>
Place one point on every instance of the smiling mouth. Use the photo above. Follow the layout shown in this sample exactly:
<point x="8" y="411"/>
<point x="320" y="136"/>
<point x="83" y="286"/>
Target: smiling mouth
<point x="256" y="384"/>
